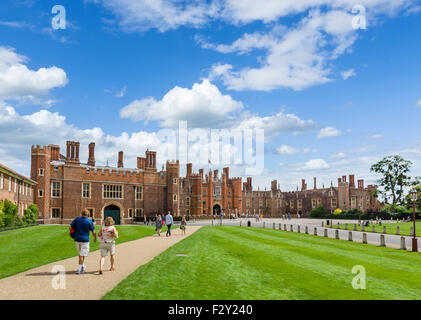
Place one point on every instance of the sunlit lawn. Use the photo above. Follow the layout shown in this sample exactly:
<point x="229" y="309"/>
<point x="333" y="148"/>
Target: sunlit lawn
<point x="405" y="227"/>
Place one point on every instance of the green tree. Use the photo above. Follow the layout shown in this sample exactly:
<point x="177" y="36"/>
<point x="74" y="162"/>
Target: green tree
<point x="30" y="214"/>
<point x="2" y="223"/>
<point x="11" y="216"/>
<point x="408" y="200"/>
<point x="319" y="212"/>
<point x="395" y="178"/>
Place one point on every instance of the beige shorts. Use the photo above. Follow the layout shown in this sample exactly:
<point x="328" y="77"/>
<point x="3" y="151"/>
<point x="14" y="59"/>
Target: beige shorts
<point x="82" y="248"/>
<point x="107" y="247"/>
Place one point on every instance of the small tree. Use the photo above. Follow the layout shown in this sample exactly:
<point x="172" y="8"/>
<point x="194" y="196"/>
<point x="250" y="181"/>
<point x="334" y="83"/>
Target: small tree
<point x="11" y="217"/>
<point x="394" y="171"/>
<point x="30" y="214"/>
<point x="2" y="223"/>
<point x="319" y="212"/>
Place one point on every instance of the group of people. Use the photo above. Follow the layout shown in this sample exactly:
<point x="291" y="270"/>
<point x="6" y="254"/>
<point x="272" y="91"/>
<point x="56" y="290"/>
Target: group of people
<point x="81" y="227"/>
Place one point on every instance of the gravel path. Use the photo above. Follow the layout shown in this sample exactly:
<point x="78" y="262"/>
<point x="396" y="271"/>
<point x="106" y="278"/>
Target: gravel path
<point x="41" y="283"/>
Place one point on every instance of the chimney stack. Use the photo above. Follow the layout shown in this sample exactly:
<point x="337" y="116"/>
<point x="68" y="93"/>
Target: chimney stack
<point x="188" y="170"/>
<point x="343" y="178"/>
<point x="274" y="185"/>
<point x="339" y="181"/>
<point x="315" y="183"/>
<point x="72" y="151"/>
<point x="303" y="184"/>
<point x="120" y="160"/>
<point x="352" y="181"/>
<point x="227" y="172"/>
<point x="201" y="173"/>
<point x="91" y="159"/>
<point x="215" y="173"/>
<point x="361" y="184"/>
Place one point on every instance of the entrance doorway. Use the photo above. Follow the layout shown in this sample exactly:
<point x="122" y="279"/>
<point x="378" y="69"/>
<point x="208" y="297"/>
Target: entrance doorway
<point x="216" y="210"/>
<point x="112" y="211"/>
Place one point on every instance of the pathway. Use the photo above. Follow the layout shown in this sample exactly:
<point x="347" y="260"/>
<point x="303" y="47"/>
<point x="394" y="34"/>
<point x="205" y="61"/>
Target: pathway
<point x="39" y="283"/>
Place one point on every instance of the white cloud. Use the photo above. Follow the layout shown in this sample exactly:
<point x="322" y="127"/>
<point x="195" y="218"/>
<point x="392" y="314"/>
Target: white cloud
<point x="202" y="106"/>
<point x="297" y="57"/>
<point x="376" y="136"/>
<point x="17" y="82"/>
<point x="276" y="124"/>
<point x="339" y="155"/>
<point x="164" y="15"/>
<point x="287" y="150"/>
<point x="348" y="74"/>
<point x="315" y="164"/>
<point x="328" y="132"/>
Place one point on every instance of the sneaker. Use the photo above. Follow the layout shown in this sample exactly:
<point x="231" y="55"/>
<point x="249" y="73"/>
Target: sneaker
<point x="100" y="271"/>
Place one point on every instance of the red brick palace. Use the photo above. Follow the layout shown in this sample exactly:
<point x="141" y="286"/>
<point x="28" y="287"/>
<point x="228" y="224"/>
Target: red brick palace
<point x="65" y="187"/>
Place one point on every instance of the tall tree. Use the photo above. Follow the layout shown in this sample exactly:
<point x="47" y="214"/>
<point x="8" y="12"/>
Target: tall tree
<point x="394" y="171"/>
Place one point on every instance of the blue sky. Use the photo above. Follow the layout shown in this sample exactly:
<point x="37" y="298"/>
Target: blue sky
<point x="332" y="99"/>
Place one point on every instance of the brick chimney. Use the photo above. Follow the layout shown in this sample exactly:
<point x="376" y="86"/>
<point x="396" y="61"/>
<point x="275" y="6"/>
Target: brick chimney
<point x="343" y="178"/>
<point x="339" y="181"/>
<point x="188" y="170"/>
<point x="120" y="159"/>
<point x="361" y="184"/>
<point x="303" y="184"/>
<point x="227" y="172"/>
<point x="352" y="181"/>
<point x="72" y="151"/>
<point x="201" y="173"/>
<point x="274" y="185"/>
<point x="315" y="183"/>
<point x="91" y="159"/>
<point x="215" y="173"/>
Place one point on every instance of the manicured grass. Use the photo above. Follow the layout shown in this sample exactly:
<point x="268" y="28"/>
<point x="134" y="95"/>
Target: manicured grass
<point x="254" y="263"/>
<point x="27" y="248"/>
<point x="405" y="227"/>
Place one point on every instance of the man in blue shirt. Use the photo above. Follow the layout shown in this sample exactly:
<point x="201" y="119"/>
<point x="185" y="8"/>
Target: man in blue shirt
<point x="82" y="226"/>
<point x="168" y="222"/>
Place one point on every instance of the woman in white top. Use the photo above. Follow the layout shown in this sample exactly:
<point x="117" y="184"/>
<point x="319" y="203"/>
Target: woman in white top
<point x="107" y="236"/>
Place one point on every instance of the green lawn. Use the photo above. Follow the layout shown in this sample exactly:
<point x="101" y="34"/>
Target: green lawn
<point x="27" y="248"/>
<point x="405" y="227"/>
<point x="254" y="263"/>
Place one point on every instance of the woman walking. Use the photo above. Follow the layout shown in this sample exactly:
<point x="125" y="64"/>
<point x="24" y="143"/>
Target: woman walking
<point x="107" y="236"/>
<point x="183" y="225"/>
<point x="158" y="224"/>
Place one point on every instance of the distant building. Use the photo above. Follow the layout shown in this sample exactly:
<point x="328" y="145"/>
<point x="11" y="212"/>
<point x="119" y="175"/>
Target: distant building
<point x="346" y="196"/>
<point x="16" y="188"/>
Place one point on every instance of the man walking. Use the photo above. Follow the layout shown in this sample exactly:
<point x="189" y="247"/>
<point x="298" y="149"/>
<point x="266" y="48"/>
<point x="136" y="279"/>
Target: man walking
<point x="82" y="226"/>
<point x="168" y="222"/>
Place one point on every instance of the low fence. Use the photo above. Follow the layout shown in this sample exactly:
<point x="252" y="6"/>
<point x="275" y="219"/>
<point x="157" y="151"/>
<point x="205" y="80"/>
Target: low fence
<point x="394" y="241"/>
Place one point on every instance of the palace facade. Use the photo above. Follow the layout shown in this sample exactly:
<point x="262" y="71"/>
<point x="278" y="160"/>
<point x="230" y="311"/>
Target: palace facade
<point x="16" y="188"/>
<point x="64" y="186"/>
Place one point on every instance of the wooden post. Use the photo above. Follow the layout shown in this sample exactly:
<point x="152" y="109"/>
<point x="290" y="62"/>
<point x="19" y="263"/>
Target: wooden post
<point x="306" y="230"/>
<point x="373" y="228"/>
<point x="363" y="228"/>
<point x="384" y="230"/>
<point x="398" y="231"/>
<point x="346" y="226"/>
<point x="365" y="238"/>
<point x="280" y="228"/>
<point x="355" y="227"/>
<point x="315" y="231"/>
<point x="298" y="229"/>
<point x="291" y="228"/>
<point x="323" y="224"/>
<point x="274" y="226"/>
<point x="212" y="222"/>
<point x="240" y="223"/>
<point x="325" y="233"/>
<point x="285" y="227"/>
<point x="338" y="225"/>
<point x="350" y="236"/>
<point x="336" y="234"/>
<point x="264" y="224"/>
<point x="412" y="231"/>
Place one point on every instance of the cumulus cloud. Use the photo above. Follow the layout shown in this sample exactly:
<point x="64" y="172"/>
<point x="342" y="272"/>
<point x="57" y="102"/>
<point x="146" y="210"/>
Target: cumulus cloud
<point x="339" y="155"/>
<point x="287" y="150"/>
<point x="18" y="82"/>
<point x="202" y="105"/>
<point x="315" y="164"/>
<point x="297" y="57"/>
<point x="328" y="132"/>
<point x="348" y="74"/>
